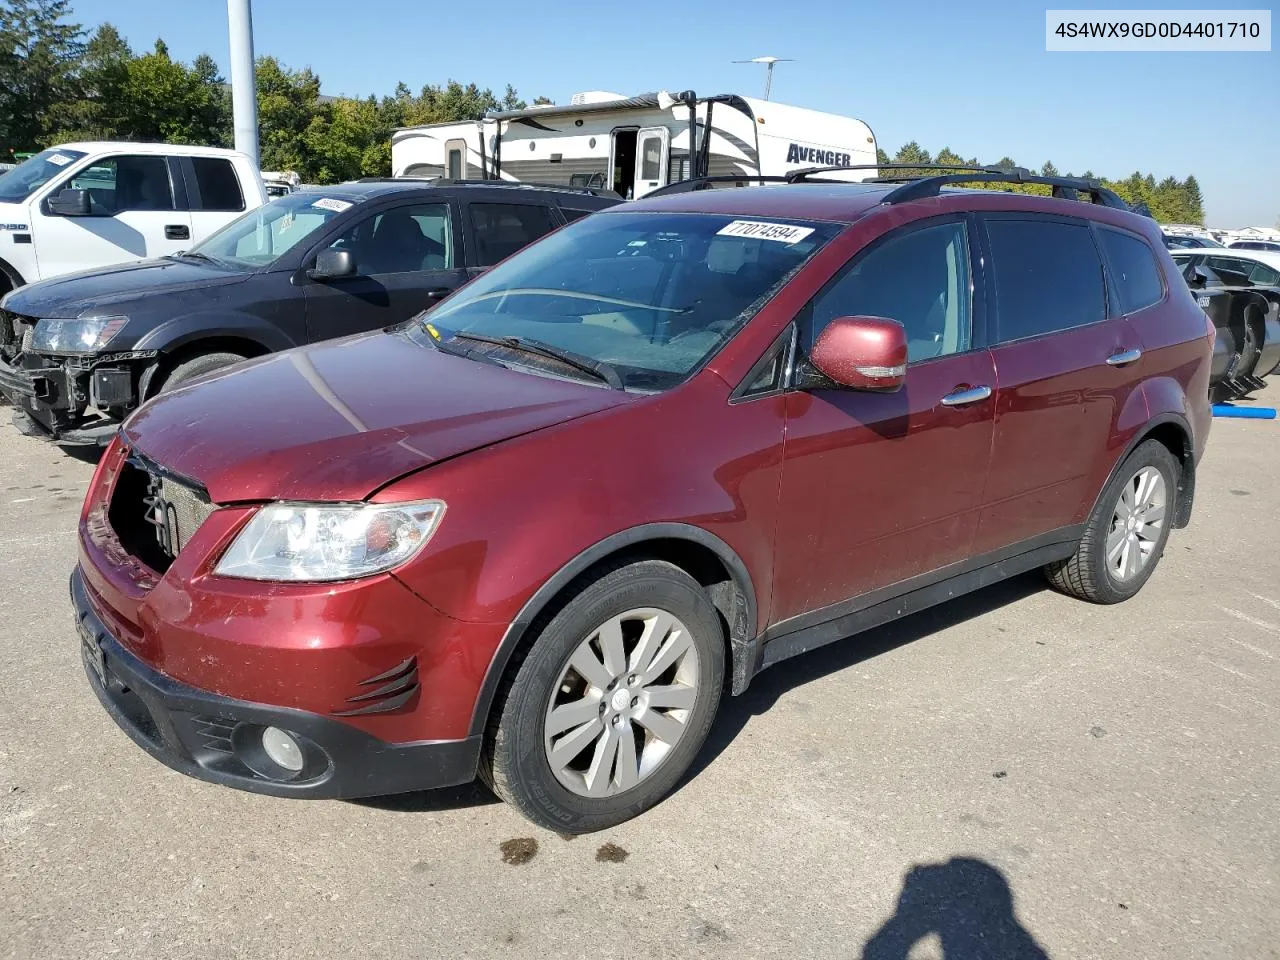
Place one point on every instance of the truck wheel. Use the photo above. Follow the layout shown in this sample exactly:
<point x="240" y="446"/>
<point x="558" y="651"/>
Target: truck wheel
<point x="609" y="706"/>
<point x="195" y="367"/>
<point x="1125" y="536"/>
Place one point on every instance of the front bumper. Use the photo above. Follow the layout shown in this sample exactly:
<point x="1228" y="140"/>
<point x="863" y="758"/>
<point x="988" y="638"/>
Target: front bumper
<point x="218" y="738"/>
<point x="50" y="401"/>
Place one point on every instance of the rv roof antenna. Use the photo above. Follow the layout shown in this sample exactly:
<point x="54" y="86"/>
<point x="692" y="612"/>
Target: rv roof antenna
<point x="769" y="61"/>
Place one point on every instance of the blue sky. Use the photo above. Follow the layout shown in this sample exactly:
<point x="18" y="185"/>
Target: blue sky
<point x="978" y="82"/>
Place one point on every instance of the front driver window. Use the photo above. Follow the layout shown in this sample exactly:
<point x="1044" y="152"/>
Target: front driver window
<point x="919" y="278"/>
<point x="401" y="240"/>
<point x="119" y="184"/>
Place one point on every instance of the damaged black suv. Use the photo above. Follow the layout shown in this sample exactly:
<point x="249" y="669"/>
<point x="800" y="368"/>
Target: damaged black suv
<point x="78" y="353"/>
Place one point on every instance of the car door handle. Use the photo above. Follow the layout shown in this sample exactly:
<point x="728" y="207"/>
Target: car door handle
<point x="958" y="398"/>
<point x="177" y="231"/>
<point x="1123" y="357"/>
<point x="439" y="293"/>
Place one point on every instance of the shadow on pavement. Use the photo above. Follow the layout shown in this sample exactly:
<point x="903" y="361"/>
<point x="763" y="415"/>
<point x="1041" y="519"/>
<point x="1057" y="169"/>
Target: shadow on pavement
<point x="967" y="904"/>
<point x="474" y="794"/>
<point x="768" y="686"/>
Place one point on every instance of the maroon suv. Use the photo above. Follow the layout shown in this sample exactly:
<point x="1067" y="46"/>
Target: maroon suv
<point x="537" y="532"/>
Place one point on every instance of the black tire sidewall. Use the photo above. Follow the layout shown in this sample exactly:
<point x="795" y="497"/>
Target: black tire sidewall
<point x="195" y="367"/>
<point x="520" y="747"/>
<point x="1150" y="453"/>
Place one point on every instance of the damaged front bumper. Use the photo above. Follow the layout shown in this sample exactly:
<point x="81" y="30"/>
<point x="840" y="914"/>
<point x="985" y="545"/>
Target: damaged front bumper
<point x="72" y="400"/>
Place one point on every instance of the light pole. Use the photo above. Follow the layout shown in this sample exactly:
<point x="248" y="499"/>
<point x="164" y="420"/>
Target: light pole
<point x="244" y="90"/>
<point x="769" y="62"/>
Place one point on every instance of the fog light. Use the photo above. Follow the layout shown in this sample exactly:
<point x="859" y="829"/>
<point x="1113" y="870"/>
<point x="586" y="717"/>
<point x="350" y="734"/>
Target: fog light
<point x="282" y="749"/>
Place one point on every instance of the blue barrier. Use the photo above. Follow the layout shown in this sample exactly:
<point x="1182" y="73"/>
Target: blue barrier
<point x="1249" y="413"/>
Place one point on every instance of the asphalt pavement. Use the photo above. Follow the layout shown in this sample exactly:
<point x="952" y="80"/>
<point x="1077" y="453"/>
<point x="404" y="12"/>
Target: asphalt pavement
<point x="1015" y="774"/>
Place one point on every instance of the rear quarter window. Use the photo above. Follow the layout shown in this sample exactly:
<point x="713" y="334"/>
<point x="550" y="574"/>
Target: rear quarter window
<point x="218" y="183"/>
<point x="1048" y="277"/>
<point x="1134" y="270"/>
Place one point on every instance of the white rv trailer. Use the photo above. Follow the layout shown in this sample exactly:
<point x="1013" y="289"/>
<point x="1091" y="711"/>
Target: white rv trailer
<point x="635" y="144"/>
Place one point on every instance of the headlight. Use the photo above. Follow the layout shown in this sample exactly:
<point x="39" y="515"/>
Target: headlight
<point x="75" y="336"/>
<point x="310" y="542"/>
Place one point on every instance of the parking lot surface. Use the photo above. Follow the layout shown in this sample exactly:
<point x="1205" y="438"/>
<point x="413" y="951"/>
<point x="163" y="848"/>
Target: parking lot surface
<point x="1015" y="774"/>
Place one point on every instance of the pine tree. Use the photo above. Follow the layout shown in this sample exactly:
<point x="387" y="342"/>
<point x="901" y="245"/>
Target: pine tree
<point x="39" y="54"/>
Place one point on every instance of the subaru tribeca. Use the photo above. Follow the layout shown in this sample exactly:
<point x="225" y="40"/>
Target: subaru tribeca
<point x="536" y="533"/>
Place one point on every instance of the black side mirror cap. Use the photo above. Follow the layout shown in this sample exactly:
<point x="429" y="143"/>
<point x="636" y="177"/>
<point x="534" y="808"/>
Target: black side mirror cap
<point x="70" y="203"/>
<point x="333" y="265"/>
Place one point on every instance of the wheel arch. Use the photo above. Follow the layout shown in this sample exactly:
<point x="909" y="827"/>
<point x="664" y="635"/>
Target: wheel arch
<point x="701" y="554"/>
<point x="1174" y="432"/>
<point x="218" y="340"/>
<point x="9" y="276"/>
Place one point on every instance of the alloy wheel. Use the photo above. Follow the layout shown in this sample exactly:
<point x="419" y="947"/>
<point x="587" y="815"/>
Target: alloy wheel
<point x="622" y="702"/>
<point x="1136" y="524"/>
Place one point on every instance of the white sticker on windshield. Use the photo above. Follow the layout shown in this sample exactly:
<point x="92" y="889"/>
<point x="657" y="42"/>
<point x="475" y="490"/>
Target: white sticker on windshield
<point x="329" y="203"/>
<point x="758" y="230"/>
<point x="58" y="160"/>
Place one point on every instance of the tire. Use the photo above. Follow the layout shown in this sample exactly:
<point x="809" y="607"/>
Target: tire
<point x="517" y="761"/>
<point x="195" y="367"/>
<point x="1089" y="574"/>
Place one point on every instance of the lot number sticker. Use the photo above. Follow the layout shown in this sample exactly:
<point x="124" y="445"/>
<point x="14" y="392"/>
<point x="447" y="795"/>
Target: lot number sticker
<point x="58" y="160"/>
<point x="758" y="230"/>
<point x="328" y="203"/>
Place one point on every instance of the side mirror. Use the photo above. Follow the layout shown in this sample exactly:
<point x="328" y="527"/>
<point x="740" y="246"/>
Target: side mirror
<point x="333" y="265"/>
<point x="862" y="353"/>
<point x="70" y="203"/>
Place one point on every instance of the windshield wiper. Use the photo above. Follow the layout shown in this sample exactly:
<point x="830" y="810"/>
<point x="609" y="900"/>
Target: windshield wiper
<point x="597" y="368"/>
<point x="470" y="353"/>
<point x="195" y="255"/>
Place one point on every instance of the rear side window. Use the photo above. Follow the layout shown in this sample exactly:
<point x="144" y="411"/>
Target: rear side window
<point x="1048" y="277"/>
<point x="503" y="228"/>
<point x="218" y="183"/>
<point x="1133" y="269"/>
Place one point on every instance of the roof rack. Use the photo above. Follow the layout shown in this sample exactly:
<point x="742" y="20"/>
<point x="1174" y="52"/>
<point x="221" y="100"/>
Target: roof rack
<point x="508" y="184"/>
<point x="703" y="183"/>
<point x="916" y="187"/>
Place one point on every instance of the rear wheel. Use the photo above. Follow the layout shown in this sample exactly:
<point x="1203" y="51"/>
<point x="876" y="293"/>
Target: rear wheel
<point x="195" y="367"/>
<point x="1126" y="535"/>
<point x="612" y="702"/>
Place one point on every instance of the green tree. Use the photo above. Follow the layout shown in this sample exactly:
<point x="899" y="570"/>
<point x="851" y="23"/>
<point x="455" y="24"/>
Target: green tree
<point x="1048" y="170"/>
<point x="163" y="100"/>
<point x="104" y="69"/>
<point x="40" y="51"/>
<point x="288" y="104"/>
<point x="881" y="157"/>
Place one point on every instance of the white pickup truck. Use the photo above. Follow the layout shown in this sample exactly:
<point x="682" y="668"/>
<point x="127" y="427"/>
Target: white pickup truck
<point x="80" y="206"/>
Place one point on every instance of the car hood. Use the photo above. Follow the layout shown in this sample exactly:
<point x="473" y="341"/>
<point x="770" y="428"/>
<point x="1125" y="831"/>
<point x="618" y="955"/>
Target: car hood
<point x="72" y="295"/>
<point x="340" y="419"/>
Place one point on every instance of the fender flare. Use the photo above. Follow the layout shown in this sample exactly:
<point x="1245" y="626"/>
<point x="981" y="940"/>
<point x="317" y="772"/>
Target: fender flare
<point x="1182" y="512"/>
<point x="598" y="551"/>
<point x="177" y="332"/>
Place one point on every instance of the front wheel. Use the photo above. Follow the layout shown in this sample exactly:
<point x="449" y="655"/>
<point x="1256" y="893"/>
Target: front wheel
<point x="611" y="703"/>
<point x="1126" y="534"/>
<point x="197" y="366"/>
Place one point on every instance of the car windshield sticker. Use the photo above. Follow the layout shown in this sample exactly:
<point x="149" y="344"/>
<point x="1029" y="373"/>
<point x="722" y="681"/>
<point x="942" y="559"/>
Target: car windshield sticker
<point x="779" y="232"/>
<point x="58" y="160"/>
<point x="328" y="203"/>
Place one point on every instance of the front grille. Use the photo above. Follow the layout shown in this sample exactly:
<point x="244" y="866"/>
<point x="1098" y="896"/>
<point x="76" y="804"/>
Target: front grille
<point x="154" y="514"/>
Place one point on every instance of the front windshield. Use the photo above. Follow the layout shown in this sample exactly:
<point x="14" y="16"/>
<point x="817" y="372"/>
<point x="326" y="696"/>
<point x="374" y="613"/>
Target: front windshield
<point x="263" y="235"/>
<point x="33" y="173"/>
<point x="652" y="295"/>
